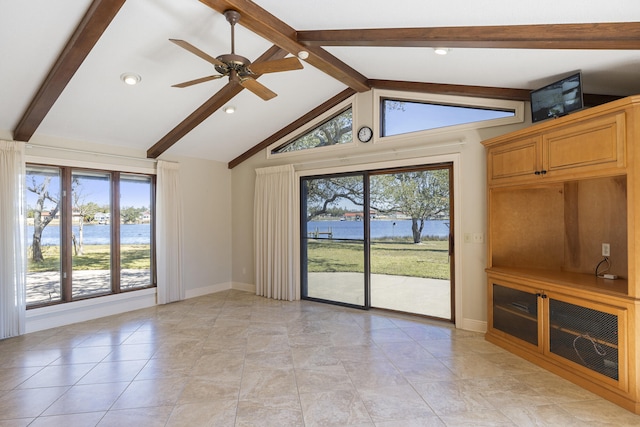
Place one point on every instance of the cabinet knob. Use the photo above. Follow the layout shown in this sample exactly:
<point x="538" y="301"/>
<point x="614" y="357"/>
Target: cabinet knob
<point x="543" y="172"/>
<point x="537" y="172"/>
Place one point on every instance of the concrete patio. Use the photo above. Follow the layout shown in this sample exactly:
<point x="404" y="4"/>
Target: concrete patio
<point x="44" y="287"/>
<point x="429" y="297"/>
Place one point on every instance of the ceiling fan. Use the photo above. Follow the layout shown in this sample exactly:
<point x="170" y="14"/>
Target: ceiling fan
<point x="239" y="68"/>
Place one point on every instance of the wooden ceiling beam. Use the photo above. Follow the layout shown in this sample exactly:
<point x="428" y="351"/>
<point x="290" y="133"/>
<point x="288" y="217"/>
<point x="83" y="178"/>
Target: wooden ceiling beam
<point x="213" y="104"/>
<point x="320" y="109"/>
<point x="590" y="100"/>
<point x="449" y="89"/>
<point x="614" y="36"/>
<point x="267" y="26"/>
<point x="86" y="35"/>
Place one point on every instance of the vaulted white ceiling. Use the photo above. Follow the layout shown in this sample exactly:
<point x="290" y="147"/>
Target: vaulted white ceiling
<point x="97" y="107"/>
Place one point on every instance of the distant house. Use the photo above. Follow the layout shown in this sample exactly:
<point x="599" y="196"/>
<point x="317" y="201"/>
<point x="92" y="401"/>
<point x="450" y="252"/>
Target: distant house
<point x="145" y="216"/>
<point x="102" y="217"/>
<point x="357" y="216"/>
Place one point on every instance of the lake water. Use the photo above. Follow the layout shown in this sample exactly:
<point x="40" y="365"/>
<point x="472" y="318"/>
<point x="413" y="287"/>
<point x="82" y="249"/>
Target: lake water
<point x="140" y="234"/>
<point x="379" y="228"/>
<point x="130" y="234"/>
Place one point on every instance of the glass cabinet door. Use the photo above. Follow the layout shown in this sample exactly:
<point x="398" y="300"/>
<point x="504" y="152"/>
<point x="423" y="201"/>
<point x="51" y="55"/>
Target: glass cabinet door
<point x="586" y="336"/>
<point x="515" y="312"/>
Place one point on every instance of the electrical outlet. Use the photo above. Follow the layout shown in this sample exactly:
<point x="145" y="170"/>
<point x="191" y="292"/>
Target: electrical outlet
<point x="478" y="237"/>
<point x="474" y="237"/>
<point x="606" y="249"/>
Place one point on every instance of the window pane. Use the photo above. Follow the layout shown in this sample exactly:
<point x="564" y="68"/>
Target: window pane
<point x="135" y="231"/>
<point x="336" y="130"/>
<point x="399" y="117"/>
<point x="91" y="233"/>
<point x="43" y="234"/>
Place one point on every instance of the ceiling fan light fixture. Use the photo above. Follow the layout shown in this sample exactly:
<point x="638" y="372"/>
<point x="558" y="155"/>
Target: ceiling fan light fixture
<point x="229" y="109"/>
<point x="130" y="78"/>
<point x="441" y="50"/>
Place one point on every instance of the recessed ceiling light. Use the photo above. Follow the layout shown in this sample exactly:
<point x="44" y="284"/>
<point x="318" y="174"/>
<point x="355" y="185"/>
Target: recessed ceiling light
<point x="441" y="50"/>
<point x="303" y="54"/>
<point x="130" y="78"/>
<point x="229" y="109"/>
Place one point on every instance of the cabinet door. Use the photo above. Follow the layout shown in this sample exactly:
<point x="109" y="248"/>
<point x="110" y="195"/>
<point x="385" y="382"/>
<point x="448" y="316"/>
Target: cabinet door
<point x="516" y="161"/>
<point x="586" y="147"/>
<point x="514" y="311"/>
<point x="589" y="336"/>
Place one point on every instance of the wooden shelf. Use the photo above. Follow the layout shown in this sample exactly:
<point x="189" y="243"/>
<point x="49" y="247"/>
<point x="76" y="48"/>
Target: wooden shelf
<point x="515" y="312"/>
<point x="586" y="282"/>
<point x="578" y="334"/>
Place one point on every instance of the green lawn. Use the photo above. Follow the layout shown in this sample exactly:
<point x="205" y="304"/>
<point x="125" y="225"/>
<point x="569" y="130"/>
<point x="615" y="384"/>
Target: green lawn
<point x="429" y="259"/>
<point x="96" y="257"/>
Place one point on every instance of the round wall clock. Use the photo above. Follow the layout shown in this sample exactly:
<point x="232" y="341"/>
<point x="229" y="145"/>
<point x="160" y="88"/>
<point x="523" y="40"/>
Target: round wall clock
<point x="365" y="134"/>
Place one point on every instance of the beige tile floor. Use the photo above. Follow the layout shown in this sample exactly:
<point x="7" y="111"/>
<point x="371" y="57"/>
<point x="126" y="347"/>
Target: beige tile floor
<point x="234" y="359"/>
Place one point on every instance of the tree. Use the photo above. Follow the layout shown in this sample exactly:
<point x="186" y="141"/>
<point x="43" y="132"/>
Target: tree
<point x="39" y="185"/>
<point x="422" y="195"/>
<point x="336" y="130"/>
<point x="131" y="215"/>
<point x="83" y="211"/>
<point x="325" y="194"/>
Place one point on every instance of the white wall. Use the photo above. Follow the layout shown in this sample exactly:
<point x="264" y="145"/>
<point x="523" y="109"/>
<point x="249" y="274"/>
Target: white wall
<point x="464" y="145"/>
<point x="206" y="191"/>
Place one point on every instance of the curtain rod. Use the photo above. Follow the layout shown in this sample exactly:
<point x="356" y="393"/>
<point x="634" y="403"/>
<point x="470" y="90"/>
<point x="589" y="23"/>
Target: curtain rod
<point x="73" y="150"/>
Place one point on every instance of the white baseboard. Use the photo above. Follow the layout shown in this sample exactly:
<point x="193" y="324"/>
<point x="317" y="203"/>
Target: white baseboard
<point x="39" y="319"/>
<point x="472" y="325"/>
<point x="205" y="290"/>
<point x="247" y="287"/>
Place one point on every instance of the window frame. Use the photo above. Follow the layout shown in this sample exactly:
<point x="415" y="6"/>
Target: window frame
<point x="66" y="272"/>
<point x="379" y="95"/>
<point x="310" y="125"/>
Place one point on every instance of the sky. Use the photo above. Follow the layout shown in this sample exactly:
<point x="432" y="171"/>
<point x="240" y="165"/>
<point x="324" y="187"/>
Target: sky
<point x="416" y="116"/>
<point x="95" y="188"/>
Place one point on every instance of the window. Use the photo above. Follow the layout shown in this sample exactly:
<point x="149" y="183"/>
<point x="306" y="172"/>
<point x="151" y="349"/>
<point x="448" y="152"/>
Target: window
<point x="135" y="231"/>
<point x="401" y="116"/>
<point x="44" y="267"/>
<point x="336" y="130"/>
<point x="91" y="244"/>
<point x="77" y="247"/>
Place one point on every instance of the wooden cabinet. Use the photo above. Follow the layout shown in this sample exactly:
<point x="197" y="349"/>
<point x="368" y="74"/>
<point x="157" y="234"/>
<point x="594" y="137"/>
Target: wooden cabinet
<point x="585" y="337"/>
<point x="556" y="191"/>
<point x="592" y="146"/>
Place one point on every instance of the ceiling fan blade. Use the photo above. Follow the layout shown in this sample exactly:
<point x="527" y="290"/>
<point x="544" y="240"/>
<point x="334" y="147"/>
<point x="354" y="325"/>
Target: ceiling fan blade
<point x="285" y="64"/>
<point x="258" y="88"/>
<point x="196" y="81"/>
<point x="191" y="48"/>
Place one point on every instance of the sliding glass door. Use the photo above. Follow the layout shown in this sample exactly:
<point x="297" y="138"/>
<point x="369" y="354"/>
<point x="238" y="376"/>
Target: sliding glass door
<point x="380" y="238"/>
<point x="410" y="248"/>
<point x="334" y="240"/>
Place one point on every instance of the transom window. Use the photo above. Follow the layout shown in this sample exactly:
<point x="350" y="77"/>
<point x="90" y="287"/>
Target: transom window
<point x="336" y="130"/>
<point x="401" y="116"/>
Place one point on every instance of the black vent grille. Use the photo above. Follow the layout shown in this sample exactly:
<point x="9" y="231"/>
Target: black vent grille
<point x="585" y="336"/>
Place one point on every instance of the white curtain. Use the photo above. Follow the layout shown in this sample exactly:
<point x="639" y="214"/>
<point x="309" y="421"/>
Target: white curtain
<point x="12" y="240"/>
<point x="273" y="233"/>
<point x="169" y="242"/>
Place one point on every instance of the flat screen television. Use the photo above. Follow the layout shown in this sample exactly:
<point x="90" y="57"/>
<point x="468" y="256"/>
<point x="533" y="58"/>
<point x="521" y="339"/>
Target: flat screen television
<point x="557" y="99"/>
